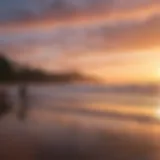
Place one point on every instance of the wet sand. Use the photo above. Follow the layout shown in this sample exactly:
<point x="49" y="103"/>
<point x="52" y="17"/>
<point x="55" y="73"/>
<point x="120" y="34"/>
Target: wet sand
<point x="60" y="137"/>
<point x="63" y="125"/>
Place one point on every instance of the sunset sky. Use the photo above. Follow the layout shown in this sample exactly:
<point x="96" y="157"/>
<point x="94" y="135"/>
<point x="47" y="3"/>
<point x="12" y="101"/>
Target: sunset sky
<point x="116" y="40"/>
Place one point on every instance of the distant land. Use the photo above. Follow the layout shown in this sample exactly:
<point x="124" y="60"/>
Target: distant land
<point x="11" y="72"/>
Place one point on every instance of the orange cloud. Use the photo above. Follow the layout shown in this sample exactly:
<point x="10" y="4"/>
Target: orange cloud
<point x="136" y="37"/>
<point x="121" y="39"/>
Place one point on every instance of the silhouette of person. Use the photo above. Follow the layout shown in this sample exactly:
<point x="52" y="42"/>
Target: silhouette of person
<point x="23" y="92"/>
<point x="23" y="95"/>
<point x="4" y="102"/>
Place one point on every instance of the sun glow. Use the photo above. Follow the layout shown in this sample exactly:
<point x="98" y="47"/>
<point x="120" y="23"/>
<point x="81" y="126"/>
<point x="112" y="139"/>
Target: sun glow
<point x="158" y="73"/>
<point x="157" y="113"/>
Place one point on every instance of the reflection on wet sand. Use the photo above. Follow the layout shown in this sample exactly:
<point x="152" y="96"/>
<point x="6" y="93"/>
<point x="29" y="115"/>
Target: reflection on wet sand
<point x="23" y="105"/>
<point x="6" y="104"/>
<point x="68" y="134"/>
<point x="48" y="136"/>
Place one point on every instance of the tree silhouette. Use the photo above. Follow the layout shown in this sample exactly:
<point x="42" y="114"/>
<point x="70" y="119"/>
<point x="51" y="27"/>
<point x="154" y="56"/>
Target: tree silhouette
<point x="6" y="69"/>
<point x="9" y="73"/>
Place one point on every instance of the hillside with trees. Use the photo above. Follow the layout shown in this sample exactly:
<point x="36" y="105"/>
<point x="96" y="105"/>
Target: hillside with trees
<point x="9" y="73"/>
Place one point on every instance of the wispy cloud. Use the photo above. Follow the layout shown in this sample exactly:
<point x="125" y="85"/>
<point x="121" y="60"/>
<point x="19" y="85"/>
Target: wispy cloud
<point x="66" y="13"/>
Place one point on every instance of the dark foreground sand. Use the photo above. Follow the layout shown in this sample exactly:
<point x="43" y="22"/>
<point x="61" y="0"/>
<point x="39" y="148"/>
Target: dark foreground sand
<point x="34" y="140"/>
